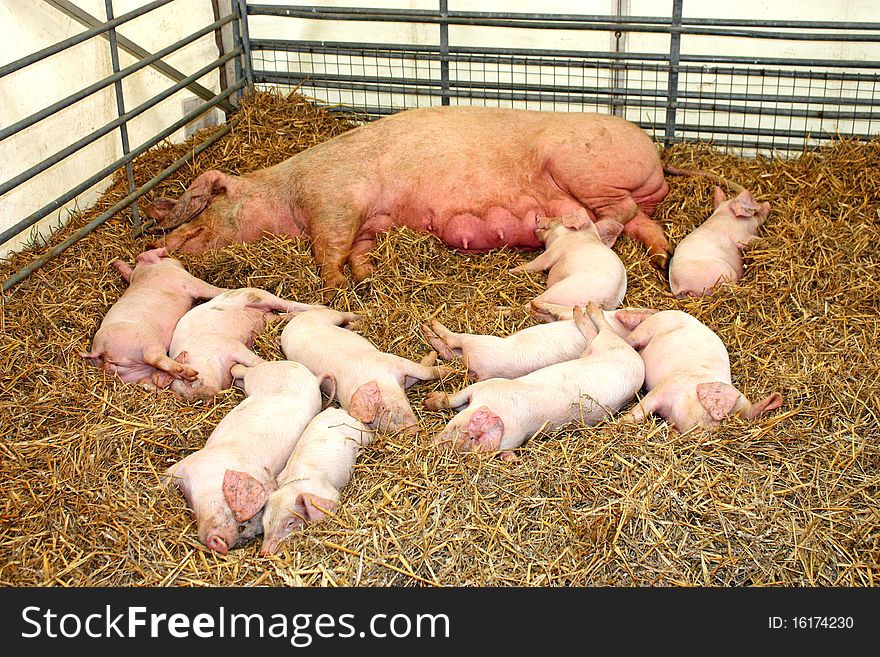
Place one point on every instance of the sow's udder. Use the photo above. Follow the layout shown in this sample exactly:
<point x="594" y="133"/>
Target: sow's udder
<point x="475" y="230"/>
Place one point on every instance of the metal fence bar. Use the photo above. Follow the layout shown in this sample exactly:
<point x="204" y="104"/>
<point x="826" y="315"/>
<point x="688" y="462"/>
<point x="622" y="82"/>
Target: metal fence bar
<point x="401" y="84"/>
<point x="120" y="111"/>
<point x="54" y="49"/>
<point x="672" y="85"/>
<point x="259" y="74"/>
<point x="112" y="125"/>
<point x="23" y="273"/>
<point x="246" y="42"/>
<point x="563" y="22"/>
<point x="399" y="14"/>
<point x="444" y="52"/>
<point x="236" y="40"/>
<point x="106" y="82"/>
<point x="110" y="168"/>
<point x="558" y="57"/>
<point x="133" y="49"/>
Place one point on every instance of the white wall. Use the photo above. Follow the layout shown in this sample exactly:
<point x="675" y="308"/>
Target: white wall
<point x="27" y="26"/>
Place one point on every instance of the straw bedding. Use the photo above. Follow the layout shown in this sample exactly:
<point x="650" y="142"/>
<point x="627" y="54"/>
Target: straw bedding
<point x="791" y="499"/>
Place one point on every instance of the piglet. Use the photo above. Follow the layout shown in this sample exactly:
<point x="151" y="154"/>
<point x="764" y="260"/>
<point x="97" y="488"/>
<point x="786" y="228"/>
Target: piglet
<point x="712" y="253"/>
<point x="580" y="263"/>
<point x="227" y="482"/>
<point x="687" y="374"/>
<point x="370" y="383"/>
<point x="527" y="350"/>
<point x="133" y="339"/>
<point x="214" y="336"/>
<point x="502" y="414"/>
<point x="319" y="467"/>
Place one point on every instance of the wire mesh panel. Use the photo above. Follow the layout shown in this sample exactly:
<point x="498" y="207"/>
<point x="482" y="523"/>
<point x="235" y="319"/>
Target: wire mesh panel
<point x="680" y="78"/>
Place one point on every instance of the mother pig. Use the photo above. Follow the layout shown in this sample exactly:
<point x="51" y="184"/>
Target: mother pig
<point x="476" y="177"/>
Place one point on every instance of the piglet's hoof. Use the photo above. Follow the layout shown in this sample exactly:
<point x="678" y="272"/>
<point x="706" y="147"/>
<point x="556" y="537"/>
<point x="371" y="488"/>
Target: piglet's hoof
<point x="437" y="343"/>
<point x="434" y="401"/>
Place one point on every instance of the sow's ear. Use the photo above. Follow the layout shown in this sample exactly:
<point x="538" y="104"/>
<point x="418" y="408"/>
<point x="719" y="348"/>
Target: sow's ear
<point x="159" y="209"/>
<point x="244" y="494"/>
<point x="195" y="199"/>
<point x="718" y="398"/>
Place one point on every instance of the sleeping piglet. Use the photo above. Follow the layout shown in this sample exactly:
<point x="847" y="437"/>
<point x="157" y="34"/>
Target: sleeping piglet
<point x="133" y="339"/>
<point x="370" y="383"/>
<point x="582" y="265"/>
<point x="227" y="482"/>
<point x="491" y="356"/>
<point x="214" y="336"/>
<point x="502" y="414"/>
<point x="712" y="253"/>
<point x="687" y="374"/>
<point x="319" y="467"/>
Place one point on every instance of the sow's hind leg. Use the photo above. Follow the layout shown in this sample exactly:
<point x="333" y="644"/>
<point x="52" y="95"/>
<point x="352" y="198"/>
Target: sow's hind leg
<point x="615" y="201"/>
<point x="647" y="231"/>
<point x="639" y="226"/>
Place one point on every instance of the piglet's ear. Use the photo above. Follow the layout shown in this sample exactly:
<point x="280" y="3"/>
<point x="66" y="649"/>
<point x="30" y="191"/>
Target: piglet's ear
<point x="330" y="379"/>
<point x="632" y="317"/>
<point x="316" y="507"/>
<point x="744" y="205"/>
<point x="239" y="371"/>
<point x="718" y="197"/>
<point x="244" y="494"/>
<point x="769" y="403"/>
<point x="576" y="219"/>
<point x="718" y="398"/>
<point x="365" y="402"/>
<point x="609" y="230"/>
<point x="152" y="256"/>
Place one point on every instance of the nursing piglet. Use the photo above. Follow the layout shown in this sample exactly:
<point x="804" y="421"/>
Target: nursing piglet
<point x="687" y="374"/>
<point x="527" y="350"/>
<point x="227" y="482"/>
<point x="320" y="466"/>
<point x="370" y="383"/>
<point x="133" y="339"/>
<point x="712" y="253"/>
<point x="214" y="336"/>
<point x="502" y="414"/>
<point x="580" y="263"/>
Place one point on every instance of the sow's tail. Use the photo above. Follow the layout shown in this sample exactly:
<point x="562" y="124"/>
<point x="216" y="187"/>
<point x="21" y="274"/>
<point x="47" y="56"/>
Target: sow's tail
<point x="675" y="171"/>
